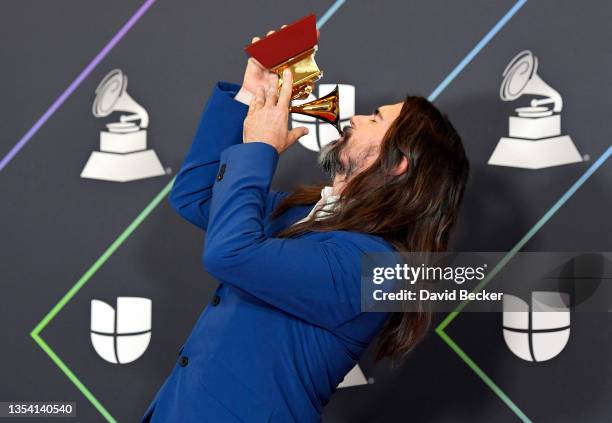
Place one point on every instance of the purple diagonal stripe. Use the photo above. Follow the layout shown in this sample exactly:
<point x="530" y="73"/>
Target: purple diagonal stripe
<point x="75" y="84"/>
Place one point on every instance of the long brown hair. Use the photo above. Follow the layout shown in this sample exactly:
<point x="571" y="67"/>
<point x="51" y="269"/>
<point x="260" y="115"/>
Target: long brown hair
<point x="414" y="211"/>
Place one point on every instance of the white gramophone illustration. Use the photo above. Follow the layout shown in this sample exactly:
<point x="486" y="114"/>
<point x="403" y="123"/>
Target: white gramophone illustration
<point x="123" y="154"/>
<point x="535" y="139"/>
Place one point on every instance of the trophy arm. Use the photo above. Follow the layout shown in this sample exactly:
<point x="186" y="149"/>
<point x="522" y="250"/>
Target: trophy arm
<point x="128" y="104"/>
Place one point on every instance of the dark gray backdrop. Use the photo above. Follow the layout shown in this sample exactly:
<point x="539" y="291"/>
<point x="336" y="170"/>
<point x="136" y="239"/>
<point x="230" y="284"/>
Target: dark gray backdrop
<point x="55" y="225"/>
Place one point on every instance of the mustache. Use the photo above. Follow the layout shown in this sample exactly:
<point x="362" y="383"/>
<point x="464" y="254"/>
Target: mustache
<point x="347" y="131"/>
<point x="329" y="159"/>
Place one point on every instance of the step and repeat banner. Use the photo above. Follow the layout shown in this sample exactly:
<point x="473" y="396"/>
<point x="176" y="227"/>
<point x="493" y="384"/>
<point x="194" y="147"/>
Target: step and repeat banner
<point x="102" y="281"/>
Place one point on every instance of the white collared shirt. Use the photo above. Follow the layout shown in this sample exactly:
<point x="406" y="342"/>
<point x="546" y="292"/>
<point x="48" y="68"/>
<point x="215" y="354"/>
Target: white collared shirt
<point x="324" y="206"/>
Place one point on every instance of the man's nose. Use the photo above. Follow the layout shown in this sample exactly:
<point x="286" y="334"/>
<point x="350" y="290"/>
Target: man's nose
<point x="354" y="121"/>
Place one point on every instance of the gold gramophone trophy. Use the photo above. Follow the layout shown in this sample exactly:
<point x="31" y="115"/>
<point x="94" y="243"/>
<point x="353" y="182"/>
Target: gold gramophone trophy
<point x="294" y="47"/>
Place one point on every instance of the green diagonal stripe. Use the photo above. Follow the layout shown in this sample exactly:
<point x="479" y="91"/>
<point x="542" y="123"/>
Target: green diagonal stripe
<point x="46" y="348"/>
<point x="501" y="394"/>
<point x="35" y="334"/>
<point x="530" y="234"/>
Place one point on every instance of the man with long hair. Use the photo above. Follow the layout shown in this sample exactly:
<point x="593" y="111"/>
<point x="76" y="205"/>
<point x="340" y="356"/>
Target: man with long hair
<point x="285" y="323"/>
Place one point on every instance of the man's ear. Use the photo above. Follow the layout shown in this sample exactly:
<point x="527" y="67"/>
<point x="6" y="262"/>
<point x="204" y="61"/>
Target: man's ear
<point x="401" y="167"/>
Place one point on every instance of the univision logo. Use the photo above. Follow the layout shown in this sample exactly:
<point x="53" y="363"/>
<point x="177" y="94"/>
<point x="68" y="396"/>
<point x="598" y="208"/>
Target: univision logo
<point x="121" y="337"/>
<point x="539" y="334"/>
<point x="321" y="133"/>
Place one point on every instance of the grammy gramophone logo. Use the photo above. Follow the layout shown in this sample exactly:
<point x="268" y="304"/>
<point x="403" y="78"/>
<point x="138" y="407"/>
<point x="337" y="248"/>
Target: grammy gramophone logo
<point x="535" y="140"/>
<point x="123" y="154"/>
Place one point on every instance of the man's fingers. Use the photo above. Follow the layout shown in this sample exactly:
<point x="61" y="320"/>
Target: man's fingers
<point x="260" y="96"/>
<point x="296" y="133"/>
<point x="256" y="63"/>
<point x="285" y="94"/>
<point x="272" y="31"/>
<point x="258" y="100"/>
<point x="272" y="90"/>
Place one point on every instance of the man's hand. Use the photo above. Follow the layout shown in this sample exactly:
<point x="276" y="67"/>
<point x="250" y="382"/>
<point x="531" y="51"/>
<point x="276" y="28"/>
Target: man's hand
<point x="255" y="75"/>
<point x="268" y="113"/>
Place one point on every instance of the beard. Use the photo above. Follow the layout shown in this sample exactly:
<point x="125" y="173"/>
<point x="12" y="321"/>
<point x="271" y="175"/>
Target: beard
<point x="330" y="160"/>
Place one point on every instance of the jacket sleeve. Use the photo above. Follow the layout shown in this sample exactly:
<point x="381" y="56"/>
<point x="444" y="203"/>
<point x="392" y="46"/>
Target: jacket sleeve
<point x="316" y="281"/>
<point x="220" y="127"/>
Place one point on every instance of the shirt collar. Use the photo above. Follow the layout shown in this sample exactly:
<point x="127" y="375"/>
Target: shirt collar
<point x="324" y="206"/>
<point x="327" y="195"/>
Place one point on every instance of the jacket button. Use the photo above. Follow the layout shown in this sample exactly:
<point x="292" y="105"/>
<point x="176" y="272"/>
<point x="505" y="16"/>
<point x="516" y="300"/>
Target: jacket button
<point x="215" y="300"/>
<point x="183" y="361"/>
<point x="221" y="172"/>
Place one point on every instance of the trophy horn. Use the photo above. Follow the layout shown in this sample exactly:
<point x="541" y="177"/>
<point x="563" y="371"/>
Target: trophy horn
<point x="326" y="108"/>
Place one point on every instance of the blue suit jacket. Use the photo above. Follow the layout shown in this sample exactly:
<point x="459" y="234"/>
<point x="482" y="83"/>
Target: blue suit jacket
<point x="285" y="325"/>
